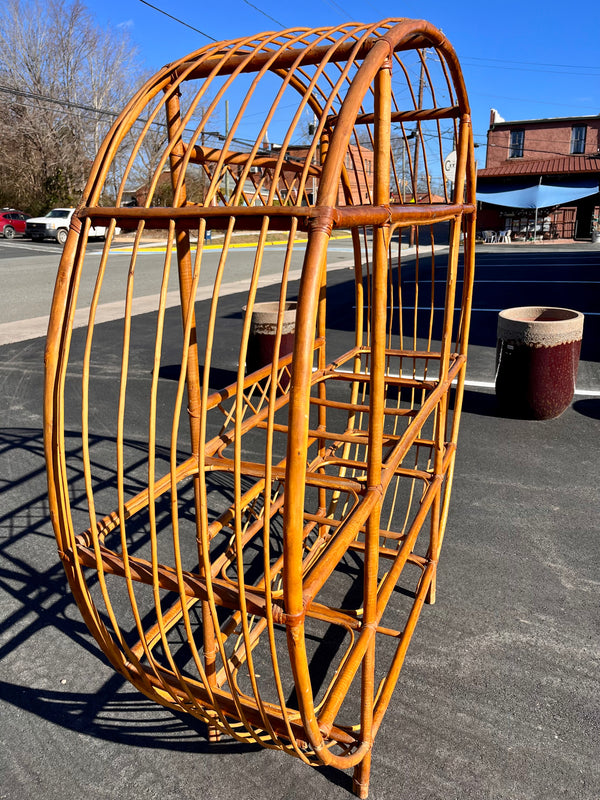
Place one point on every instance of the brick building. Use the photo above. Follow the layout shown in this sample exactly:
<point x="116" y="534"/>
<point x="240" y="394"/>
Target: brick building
<point x="359" y="173"/>
<point x="547" y="170"/>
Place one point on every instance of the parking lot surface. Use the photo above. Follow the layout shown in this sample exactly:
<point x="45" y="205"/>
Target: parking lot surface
<point x="498" y="698"/>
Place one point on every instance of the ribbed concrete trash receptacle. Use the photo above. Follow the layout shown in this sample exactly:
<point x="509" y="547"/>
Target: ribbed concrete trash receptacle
<point x="263" y="333"/>
<point x="537" y="357"/>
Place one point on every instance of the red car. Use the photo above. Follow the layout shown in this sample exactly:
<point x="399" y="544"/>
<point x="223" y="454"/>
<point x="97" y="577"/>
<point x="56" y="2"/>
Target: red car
<point x="12" y="222"/>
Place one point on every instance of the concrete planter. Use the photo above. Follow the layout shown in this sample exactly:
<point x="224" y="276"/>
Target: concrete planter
<point x="263" y="330"/>
<point x="537" y="357"/>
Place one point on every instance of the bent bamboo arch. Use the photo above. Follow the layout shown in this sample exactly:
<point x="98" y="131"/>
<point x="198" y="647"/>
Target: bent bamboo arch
<point x="262" y="565"/>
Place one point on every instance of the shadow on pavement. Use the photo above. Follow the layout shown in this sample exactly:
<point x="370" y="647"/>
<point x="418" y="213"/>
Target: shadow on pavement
<point x="32" y="577"/>
<point x="590" y="407"/>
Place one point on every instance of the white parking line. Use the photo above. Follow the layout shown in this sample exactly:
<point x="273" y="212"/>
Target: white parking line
<point x="482" y="384"/>
<point x="486" y="310"/>
<point x="537" y="283"/>
<point x="492" y="385"/>
<point x="38" y="248"/>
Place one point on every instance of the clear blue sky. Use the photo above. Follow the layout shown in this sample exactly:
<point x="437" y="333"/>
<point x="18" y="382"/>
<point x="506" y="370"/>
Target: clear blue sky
<point x="525" y="59"/>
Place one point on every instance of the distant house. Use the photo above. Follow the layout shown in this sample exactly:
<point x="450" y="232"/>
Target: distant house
<point x="547" y="169"/>
<point x="253" y="176"/>
<point x="358" y="165"/>
<point x="422" y="198"/>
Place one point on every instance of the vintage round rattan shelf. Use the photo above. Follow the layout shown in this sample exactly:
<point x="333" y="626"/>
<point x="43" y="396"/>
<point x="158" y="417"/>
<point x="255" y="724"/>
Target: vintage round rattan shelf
<point x="248" y="542"/>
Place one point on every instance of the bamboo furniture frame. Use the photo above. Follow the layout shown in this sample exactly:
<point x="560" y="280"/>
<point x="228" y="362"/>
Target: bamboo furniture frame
<point x="262" y="566"/>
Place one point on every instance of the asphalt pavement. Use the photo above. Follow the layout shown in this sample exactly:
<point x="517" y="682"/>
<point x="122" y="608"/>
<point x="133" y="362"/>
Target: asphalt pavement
<point x="499" y="696"/>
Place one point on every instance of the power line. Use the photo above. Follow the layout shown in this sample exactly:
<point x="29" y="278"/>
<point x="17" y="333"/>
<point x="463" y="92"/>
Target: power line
<point x="70" y="104"/>
<point x="65" y="103"/>
<point x="466" y="59"/>
<point x="202" y="33"/>
<point x="176" y="19"/>
<point x="532" y="63"/>
<point x="264" y="13"/>
<point x="338" y="8"/>
<point x="530" y="100"/>
<point x="110" y="113"/>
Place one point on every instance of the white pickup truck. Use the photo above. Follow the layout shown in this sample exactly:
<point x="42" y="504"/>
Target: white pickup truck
<point x="55" y="225"/>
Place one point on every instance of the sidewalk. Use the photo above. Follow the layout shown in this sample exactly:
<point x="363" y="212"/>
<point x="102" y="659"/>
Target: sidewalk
<point x="498" y="698"/>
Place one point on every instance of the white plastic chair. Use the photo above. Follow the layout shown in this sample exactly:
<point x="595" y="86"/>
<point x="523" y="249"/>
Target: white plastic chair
<point x="504" y="236"/>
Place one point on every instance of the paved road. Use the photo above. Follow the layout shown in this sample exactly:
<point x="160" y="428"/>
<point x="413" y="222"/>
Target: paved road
<point x="507" y="276"/>
<point x="19" y="247"/>
<point x="28" y="279"/>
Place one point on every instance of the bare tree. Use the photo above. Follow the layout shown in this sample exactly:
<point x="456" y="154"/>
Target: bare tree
<point x="62" y="81"/>
<point x="151" y="164"/>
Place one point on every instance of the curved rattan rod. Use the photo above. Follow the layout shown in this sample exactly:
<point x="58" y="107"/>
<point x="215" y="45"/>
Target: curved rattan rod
<point x="286" y="59"/>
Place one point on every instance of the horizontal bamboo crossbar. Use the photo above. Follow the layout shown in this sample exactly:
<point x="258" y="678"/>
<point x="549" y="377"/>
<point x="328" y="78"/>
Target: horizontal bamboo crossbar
<point x="218" y="217"/>
<point x="414" y="115"/>
<point x="206" y="155"/>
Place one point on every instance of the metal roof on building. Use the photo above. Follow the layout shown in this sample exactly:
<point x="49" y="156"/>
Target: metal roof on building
<point x="499" y="122"/>
<point x="561" y="165"/>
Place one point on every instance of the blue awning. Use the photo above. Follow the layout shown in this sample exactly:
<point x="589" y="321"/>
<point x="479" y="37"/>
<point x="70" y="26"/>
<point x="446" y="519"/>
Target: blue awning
<point x="537" y="195"/>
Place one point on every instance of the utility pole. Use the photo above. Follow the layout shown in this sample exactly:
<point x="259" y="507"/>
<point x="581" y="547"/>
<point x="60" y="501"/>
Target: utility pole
<point x="226" y="134"/>
<point x="405" y="139"/>
<point x="315" y="160"/>
<point x="417" y="140"/>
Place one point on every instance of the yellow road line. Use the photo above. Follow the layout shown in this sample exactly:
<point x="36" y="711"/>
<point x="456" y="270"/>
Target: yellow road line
<point x="163" y="248"/>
